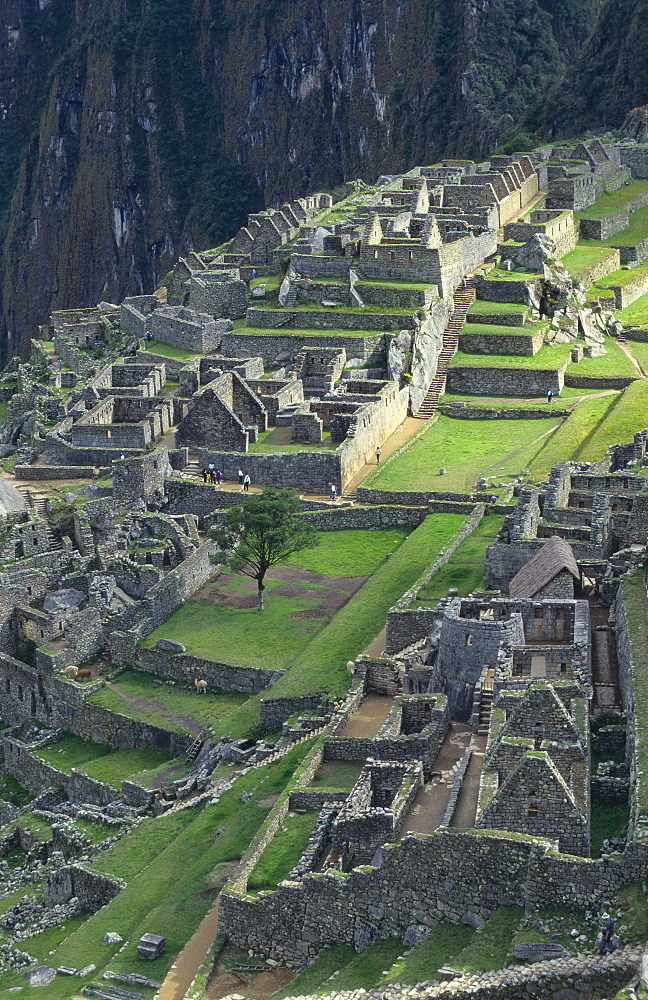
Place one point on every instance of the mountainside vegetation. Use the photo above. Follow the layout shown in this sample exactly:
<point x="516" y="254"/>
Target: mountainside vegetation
<point x="134" y="130"/>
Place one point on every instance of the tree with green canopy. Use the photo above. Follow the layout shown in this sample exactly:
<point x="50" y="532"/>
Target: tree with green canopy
<point x="261" y="533"/>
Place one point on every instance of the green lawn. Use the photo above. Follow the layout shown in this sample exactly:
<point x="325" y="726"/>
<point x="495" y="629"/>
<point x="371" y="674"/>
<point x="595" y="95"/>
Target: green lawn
<point x="13" y="792"/>
<point x="291" y="331"/>
<point x="289" y="621"/>
<point x="615" y="363"/>
<point x="591" y="428"/>
<point x="547" y="358"/>
<point x="583" y="256"/>
<point x="621" y="277"/>
<point x="465" y="448"/>
<point x="607" y="820"/>
<point x="635" y="232"/>
<point x="366" y="969"/>
<point x="169" y="863"/>
<point x="482" y="307"/>
<point x="489" y="949"/>
<point x="278" y="439"/>
<point x="283" y="852"/>
<point x="636" y="314"/>
<point x="612" y="201"/>
<point x="499" y="274"/>
<point x="98" y="761"/>
<point x="639" y="351"/>
<point x="174" y="708"/>
<point x="271" y="282"/>
<point x="424" y="960"/>
<point x="340" y="774"/>
<point x="317" y="977"/>
<point x="167" y="350"/>
<point x="465" y="568"/>
<point x="343" y="309"/>
<point x="500" y="330"/>
<point x="322" y="664"/>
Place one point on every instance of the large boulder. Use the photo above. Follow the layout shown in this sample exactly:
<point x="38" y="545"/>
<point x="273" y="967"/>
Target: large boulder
<point x="65" y="599"/>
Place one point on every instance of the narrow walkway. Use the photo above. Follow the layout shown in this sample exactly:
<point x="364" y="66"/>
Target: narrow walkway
<point x="463" y="299"/>
<point x="184" y="969"/>
<point x="430" y="804"/>
<point x="605" y="668"/>
<point x="626" y="350"/>
<point x="369" y="717"/>
<point x="466" y="808"/>
<point x="377" y="646"/>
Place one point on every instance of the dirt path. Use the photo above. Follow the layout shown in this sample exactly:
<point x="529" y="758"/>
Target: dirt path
<point x="626" y="350"/>
<point x="377" y="646"/>
<point x="369" y="717"/>
<point x="156" y="708"/>
<point x="431" y="802"/>
<point x="402" y="433"/>
<point x="184" y="969"/>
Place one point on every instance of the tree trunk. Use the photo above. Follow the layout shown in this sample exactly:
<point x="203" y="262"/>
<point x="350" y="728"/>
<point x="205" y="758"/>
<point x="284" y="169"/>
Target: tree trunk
<point x="261" y="588"/>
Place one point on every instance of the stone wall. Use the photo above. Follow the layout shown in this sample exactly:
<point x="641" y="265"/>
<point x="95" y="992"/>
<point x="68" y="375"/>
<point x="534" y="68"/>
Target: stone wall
<point x="272" y="345"/>
<point x="483" y="381"/>
<point x="631" y="605"/>
<point x="523" y="344"/>
<point x="92" y="890"/>
<point x="460" y="877"/>
<point x="304" y="470"/>
<point x="275" y="711"/>
<point x="501" y="290"/>
<point x="326" y="319"/>
<point x="184" y="667"/>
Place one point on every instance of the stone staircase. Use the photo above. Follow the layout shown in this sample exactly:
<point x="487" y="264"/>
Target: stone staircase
<point x="463" y="299"/>
<point x="39" y="506"/>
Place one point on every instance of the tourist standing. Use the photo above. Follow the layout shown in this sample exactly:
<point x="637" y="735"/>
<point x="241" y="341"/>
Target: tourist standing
<point x="240" y="477"/>
<point x="246" y="484"/>
<point x="212" y="476"/>
<point x="219" y="476"/>
<point x="378" y="454"/>
<point x="550" y="396"/>
<point x="205" y="475"/>
<point x="607" y="933"/>
<point x="333" y="491"/>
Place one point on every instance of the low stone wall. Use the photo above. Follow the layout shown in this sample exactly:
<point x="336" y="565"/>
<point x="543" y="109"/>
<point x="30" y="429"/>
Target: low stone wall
<point x="522" y="344"/>
<point x="304" y="470"/>
<point x="315" y="798"/>
<point x="589" y="382"/>
<point x="269" y="346"/>
<point x="58" y="471"/>
<point x="631" y="654"/>
<point x="275" y="711"/>
<point x="501" y="290"/>
<point x="364" y="517"/>
<point x="406" y="625"/>
<point x="93" y="891"/>
<point x="634" y="255"/>
<point x="454" y="876"/>
<point x="609" y="225"/>
<point x="488" y="413"/>
<point x="185" y="667"/>
<point x="326" y="319"/>
<point x="478" y="381"/>
<point x="626" y="293"/>
<point x="495" y="319"/>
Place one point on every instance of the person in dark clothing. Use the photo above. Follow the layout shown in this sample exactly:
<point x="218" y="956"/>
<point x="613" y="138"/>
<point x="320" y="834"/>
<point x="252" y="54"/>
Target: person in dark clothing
<point x="212" y="476"/>
<point x="219" y="476"/>
<point x="205" y="476"/>
<point x="550" y="396"/>
<point x="607" y="933"/>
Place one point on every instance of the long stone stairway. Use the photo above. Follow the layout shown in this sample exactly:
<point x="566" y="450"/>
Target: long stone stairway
<point x="463" y="299"/>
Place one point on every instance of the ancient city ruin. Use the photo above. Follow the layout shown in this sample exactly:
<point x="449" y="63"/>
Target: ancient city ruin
<point x="458" y="765"/>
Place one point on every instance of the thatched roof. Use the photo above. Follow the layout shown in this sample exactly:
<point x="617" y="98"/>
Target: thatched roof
<point x="555" y="556"/>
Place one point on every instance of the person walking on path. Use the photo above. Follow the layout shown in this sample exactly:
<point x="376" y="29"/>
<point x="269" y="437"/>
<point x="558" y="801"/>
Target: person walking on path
<point x="240" y="475"/>
<point x="246" y="484"/>
<point x="607" y="933"/>
<point x="333" y="491"/>
<point x="205" y="475"/>
<point x="378" y="454"/>
<point x="550" y="396"/>
<point x="463" y="281"/>
<point x="212" y="476"/>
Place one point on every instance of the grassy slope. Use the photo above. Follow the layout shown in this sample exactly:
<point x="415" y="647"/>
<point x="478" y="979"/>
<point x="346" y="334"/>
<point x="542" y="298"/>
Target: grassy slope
<point x="547" y="358"/>
<point x="283" y="852"/>
<point x="168" y="861"/>
<point x="612" y="201"/>
<point x="615" y="363"/>
<point x="636" y="314"/>
<point x="465" y="568"/>
<point x="465" y="448"/>
<point x="99" y="761"/>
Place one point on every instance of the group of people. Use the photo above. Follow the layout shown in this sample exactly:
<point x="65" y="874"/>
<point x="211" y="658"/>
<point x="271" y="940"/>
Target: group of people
<point x="212" y="474"/>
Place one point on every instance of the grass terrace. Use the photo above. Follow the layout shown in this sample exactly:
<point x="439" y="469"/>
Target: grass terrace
<point x="339" y="774"/>
<point x="583" y="257"/>
<point x="355" y="310"/>
<point x="180" y="709"/>
<point x="166" y="351"/>
<point x="222" y="623"/>
<point x="636" y="314"/>
<point x="11" y="791"/>
<point x="271" y="282"/>
<point x="621" y="277"/>
<point x="279" y="439"/>
<point x="283" y="852"/>
<point x="500" y="274"/>
<point x="635" y="233"/>
<point x="464" y="570"/>
<point x="292" y="331"/>
<point x="99" y="761"/>
<point x="547" y="358"/>
<point x="414" y="285"/>
<point x="615" y="363"/>
<point x="483" y="307"/>
<point x="612" y="201"/>
<point x="466" y="449"/>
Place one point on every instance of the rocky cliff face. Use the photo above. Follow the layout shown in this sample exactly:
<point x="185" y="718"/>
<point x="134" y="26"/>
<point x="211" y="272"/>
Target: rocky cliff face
<point x="140" y="128"/>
